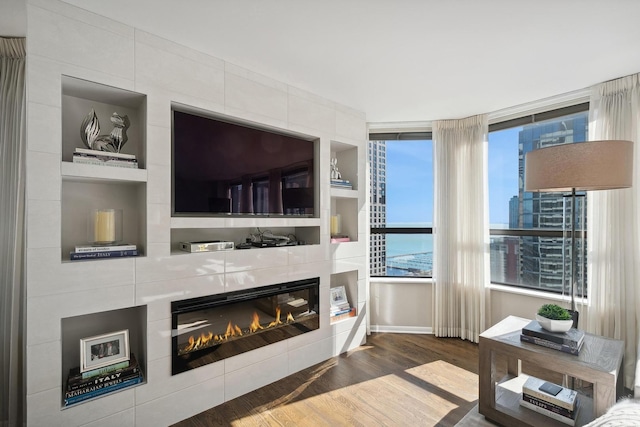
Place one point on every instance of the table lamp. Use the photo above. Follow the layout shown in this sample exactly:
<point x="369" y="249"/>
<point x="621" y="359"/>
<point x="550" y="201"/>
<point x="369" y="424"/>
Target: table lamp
<point x="581" y="166"/>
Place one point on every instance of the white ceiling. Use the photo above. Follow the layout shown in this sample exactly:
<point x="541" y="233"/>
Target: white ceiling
<point x="406" y="60"/>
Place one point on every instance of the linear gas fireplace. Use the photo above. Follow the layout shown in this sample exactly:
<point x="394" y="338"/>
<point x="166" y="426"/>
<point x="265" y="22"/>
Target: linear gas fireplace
<point x="212" y="328"/>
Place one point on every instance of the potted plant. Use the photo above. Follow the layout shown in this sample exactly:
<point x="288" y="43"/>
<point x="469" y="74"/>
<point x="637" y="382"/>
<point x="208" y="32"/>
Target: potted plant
<point x="554" y="318"/>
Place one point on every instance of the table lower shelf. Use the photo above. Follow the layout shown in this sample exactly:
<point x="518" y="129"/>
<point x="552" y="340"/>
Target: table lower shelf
<point x="509" y="393"/>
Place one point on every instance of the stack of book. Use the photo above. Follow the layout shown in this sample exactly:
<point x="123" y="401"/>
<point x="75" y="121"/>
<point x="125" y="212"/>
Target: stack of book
<point x="568" y="342"/>
<point x="107" y="251"/>
<point x="550" y="399"/>
<point x="104" y="158"/>
<point x="341" y="183"/>
<point x="94" y="383"/>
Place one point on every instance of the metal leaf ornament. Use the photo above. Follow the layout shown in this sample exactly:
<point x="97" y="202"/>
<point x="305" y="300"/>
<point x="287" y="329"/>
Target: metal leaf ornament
<point x="113" y="142"/>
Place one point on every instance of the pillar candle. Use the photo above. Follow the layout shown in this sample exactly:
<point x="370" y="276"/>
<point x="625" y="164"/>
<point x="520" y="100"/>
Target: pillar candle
<point x="105" y="226"/>
<point x="335" y="225"/>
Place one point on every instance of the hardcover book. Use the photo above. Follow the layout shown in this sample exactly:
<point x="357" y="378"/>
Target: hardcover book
<point x="550" y="414"/>
<point x="98" y="248"/>
<point x="100" y="153"/>
<point x="99" y="162"/>
<point x="102" y="254"/>
<point x="566" y="398"/>
<point x="573" y="337"/>
<point x="103" y="389"/>
<point x="75" y="376"/>
<point x="549" y="406"/>
<point x="101" y="381"/>
<point x="550" y="344"/>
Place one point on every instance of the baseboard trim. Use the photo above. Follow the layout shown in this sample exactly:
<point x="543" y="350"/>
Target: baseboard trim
<point x="402" y="329"/>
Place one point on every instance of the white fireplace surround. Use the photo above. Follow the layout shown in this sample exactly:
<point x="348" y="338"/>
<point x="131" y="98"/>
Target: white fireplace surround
<point x="67" y="42"/>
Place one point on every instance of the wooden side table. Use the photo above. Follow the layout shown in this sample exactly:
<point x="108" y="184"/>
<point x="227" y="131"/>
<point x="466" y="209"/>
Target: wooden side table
<point x="599" y="363"/>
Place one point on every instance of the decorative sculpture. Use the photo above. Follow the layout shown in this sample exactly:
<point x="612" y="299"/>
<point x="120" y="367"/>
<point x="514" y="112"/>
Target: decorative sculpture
<point x="113" y="142"/>
<point x="335" y="173"/>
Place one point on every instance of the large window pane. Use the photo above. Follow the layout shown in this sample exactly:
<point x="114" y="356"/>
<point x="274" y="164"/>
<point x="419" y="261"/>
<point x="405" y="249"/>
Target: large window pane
<point x="401" y="209"/>
<point x="529" y="258"/>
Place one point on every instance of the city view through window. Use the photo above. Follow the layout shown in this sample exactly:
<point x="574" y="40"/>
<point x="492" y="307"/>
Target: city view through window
<point x="402" y="207"/>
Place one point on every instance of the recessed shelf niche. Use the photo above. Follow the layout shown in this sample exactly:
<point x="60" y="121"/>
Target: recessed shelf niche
<point x="86" y="187"/>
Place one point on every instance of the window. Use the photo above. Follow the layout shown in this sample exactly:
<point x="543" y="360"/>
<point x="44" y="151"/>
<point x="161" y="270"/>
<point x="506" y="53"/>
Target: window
<point x="526" y="228"/>
<point x="401" y="204"/>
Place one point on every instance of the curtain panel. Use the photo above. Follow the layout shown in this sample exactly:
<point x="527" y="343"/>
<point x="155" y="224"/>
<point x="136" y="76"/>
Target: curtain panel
<point x="12" y="234"/>
<point x="613" y="226"/>
<point x="461" y="227"/>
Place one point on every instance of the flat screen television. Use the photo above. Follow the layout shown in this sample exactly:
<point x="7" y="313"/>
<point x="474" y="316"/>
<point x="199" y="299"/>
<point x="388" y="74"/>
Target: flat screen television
<point x="220" y="168"/>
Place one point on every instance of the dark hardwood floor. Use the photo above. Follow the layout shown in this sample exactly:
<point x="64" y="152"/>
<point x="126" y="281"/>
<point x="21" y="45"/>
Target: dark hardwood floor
<point x="392" y="380"/>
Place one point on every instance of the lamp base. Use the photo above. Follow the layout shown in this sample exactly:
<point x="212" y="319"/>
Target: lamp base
<point x="574" y="316"/>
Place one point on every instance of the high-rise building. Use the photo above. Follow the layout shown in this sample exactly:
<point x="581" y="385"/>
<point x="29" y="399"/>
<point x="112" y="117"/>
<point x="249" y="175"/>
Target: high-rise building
<point x="378" y="211"/>
<point x="541" y="257"/>
<point x="514" y="212"/>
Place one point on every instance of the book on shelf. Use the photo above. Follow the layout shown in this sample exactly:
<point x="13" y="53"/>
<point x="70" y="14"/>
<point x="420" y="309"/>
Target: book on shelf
<point x="550" y="344"/>
<point x="108" y="161"/>
<point x="346" y="186"/>
<point x="77" y="377"/>
<point x="75" y="256"/>
<point x="343" y="315"/>
<point x="573" y="337"/>
<point x="78" y="388"/>
<point x="549" y="406"/>
<point x="103" y="388"/>
<point x="340" y="239"/>
<point x="550" y="414"/>
<point x="105" y="248"/>
<point x="336" y="310"/>
<point x="100" y="153"/>
<point x="113" y="163"/>
<point x="565" y="398"/>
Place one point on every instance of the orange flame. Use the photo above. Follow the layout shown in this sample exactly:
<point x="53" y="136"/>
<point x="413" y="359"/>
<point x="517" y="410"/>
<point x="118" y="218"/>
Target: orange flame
<point x="206" y="339"/>
<point x="277" y="321"/>
<point x="255" y="324"/>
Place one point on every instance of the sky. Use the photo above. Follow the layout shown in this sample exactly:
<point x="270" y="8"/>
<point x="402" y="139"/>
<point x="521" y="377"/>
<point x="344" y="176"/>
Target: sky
<point x="410" y="179"/>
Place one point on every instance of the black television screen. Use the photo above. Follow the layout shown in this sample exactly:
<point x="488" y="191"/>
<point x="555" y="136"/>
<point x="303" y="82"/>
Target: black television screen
<point x="223" y="168"/>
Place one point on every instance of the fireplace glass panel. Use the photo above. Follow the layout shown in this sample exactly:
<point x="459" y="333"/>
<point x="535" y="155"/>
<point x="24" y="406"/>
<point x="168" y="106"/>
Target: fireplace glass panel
<point x="209" y="329"/>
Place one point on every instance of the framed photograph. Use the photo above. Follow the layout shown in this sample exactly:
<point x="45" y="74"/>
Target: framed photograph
<point x="104" y="350"/>
<point x="338" y="296"/>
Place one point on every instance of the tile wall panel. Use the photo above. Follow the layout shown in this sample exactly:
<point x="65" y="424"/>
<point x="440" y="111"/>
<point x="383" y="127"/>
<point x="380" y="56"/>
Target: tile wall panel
<point x="182" y="404"/>
<point x="108" y="47"/>
<point x="160" y="382"/>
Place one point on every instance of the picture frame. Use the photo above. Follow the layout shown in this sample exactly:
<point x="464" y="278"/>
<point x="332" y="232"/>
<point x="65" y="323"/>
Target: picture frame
<point x="338" y="296"/>
<point x="104" y="350"/>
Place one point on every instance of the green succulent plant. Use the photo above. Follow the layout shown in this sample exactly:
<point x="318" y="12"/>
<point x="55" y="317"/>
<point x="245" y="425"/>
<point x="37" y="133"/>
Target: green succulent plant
<point x="554" y="312"/>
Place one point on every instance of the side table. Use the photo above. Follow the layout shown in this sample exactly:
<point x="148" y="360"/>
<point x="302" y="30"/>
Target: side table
<point x="599" y="363"/>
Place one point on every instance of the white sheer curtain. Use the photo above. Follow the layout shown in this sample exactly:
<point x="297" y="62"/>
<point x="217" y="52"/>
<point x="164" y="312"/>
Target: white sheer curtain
<point x="613" y="225"/>
<point x="461" y="227"/>
<point x="12" y="149"/>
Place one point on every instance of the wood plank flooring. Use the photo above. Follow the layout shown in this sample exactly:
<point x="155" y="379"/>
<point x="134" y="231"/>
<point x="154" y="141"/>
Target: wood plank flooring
<point x="392" y="380"/>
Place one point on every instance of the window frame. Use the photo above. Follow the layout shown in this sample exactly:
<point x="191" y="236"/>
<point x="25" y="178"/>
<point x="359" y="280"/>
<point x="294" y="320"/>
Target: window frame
<point x="580" y="106"/>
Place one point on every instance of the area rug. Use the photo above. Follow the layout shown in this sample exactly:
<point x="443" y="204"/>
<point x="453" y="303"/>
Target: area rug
<point x="474" y="419"/>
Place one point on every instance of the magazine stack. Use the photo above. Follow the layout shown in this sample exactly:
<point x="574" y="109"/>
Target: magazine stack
<point x="86" y="385"/>
<point x="104" y="158"/>
<point x="552" y="400"/>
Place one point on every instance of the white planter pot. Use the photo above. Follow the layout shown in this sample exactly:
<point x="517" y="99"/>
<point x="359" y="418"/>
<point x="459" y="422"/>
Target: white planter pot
<point x="554" y="325"/>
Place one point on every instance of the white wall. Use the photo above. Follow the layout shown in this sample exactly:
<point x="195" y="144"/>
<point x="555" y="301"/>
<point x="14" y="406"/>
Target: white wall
<point x="63" y="40"/>
<point x="398" y="306"/>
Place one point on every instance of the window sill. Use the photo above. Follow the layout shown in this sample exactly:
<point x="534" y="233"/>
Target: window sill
<point x="493" y="287"/>
<point x="533" y="293"/>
